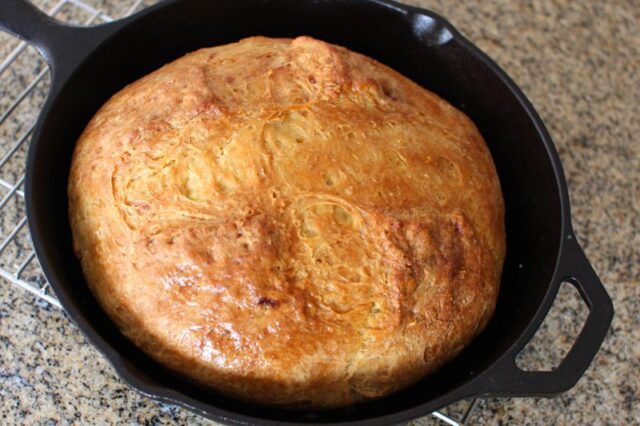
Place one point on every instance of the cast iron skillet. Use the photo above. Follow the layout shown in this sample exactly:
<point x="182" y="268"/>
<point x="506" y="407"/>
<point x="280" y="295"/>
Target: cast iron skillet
<point x="91" y="64"/>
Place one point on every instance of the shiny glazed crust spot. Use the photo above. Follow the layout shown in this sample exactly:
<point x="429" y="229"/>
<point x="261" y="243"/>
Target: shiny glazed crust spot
<point x="288" y="222"/>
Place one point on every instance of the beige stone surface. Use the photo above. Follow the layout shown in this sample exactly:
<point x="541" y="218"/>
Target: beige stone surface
<point x="577" y="61"/>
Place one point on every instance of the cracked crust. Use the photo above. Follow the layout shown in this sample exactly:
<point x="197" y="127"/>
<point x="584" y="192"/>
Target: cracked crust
<point x="288" y="222"/>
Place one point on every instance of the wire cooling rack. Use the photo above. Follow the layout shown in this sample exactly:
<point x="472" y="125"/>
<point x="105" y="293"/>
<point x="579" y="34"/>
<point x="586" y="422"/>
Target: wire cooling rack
<point x="24" y="84"/>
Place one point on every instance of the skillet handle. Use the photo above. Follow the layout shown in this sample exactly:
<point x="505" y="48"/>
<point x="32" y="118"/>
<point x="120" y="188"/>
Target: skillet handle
<point x="62" y="46"/>
<point x="507" y="379"/>
<point x="24" y="20"/>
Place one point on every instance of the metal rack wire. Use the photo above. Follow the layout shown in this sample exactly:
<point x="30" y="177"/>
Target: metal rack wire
<point x="21" y="98"/>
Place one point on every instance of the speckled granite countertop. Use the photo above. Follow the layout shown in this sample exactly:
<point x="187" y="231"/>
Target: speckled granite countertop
<point x="578" y="62"/>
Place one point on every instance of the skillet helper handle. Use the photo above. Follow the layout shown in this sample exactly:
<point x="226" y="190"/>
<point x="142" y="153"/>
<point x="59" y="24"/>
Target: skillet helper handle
<point x="507" y="379"/>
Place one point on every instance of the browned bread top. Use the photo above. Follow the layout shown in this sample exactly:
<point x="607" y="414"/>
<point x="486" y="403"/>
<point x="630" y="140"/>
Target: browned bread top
<point x="288" y="221"/>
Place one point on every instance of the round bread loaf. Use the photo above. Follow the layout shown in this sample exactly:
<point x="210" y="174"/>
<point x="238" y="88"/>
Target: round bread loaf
<point x="288" y="222"/>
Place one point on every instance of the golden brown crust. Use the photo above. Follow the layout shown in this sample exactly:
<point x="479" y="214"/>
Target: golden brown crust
<point x="288" y="221"/>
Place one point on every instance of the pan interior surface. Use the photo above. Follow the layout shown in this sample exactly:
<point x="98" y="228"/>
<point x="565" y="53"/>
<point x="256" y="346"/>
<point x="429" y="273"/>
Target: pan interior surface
<point x="417" y="46"/>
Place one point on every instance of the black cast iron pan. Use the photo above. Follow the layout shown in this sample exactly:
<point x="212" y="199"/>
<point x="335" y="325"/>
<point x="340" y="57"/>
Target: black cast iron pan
<point x="91" y="64"/>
